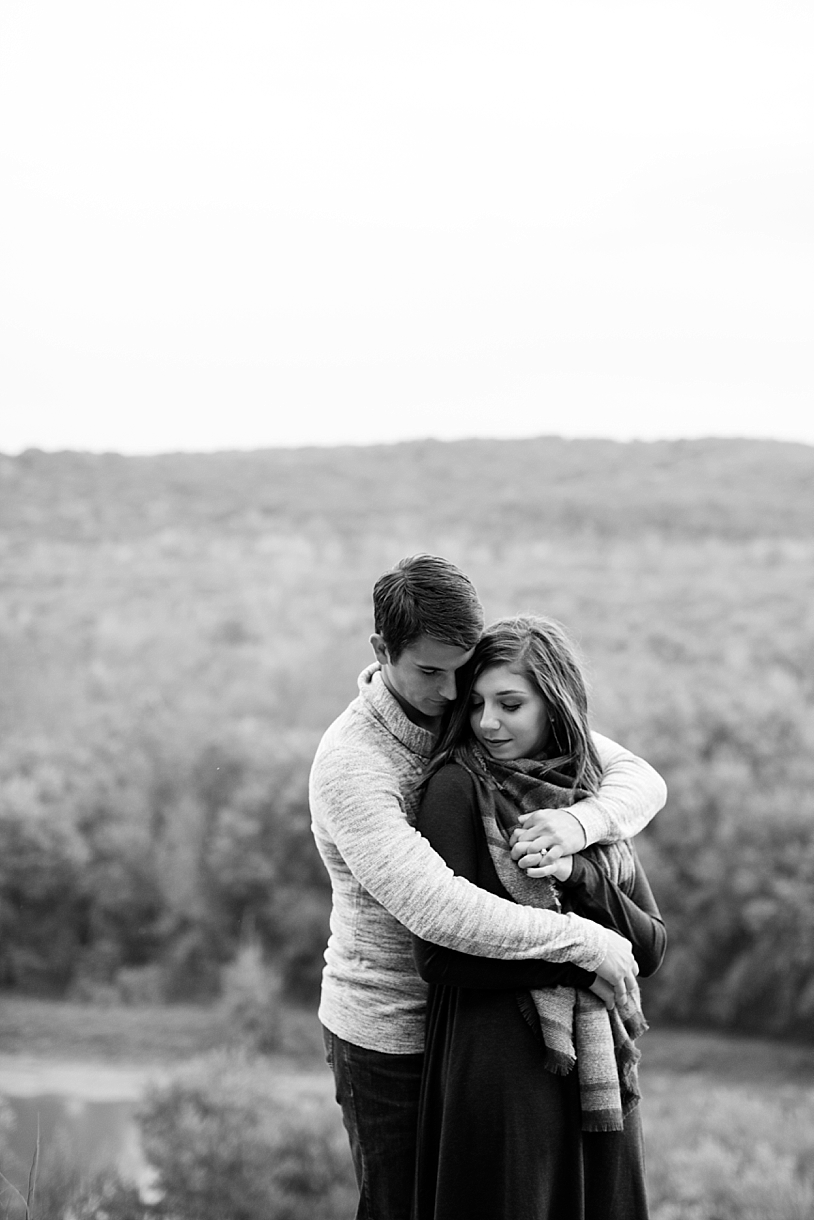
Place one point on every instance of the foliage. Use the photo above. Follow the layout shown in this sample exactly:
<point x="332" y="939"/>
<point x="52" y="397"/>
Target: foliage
<point x="251" y="1002"/>
<point x="729" y="1133"/>
<point x="226" y="1142"/>
<point x="728" y="1129"/>
<point x="176" y="632"/>
<point x="734" y="489"/>
<point x="718" y="1151"/>
<point x="65" y="1191"/>
<point x="41" y="893"/>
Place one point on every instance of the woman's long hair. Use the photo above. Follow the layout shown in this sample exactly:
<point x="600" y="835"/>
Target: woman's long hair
<point x="539" y="649"/>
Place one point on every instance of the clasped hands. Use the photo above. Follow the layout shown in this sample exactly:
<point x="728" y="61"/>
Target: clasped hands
<point x="545" y="847"/>
<point x="546" y="843"/>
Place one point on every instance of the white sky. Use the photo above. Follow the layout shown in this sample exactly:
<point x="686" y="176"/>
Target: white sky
<point x="235" y="224"/>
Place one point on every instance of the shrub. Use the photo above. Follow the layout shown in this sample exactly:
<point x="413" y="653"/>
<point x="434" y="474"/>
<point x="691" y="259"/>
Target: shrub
<point x="251" y="994"/>
<point x="227" y="1141"/>
<point x="189" y="964"/>
<point x="723" y="1151"/>
<point x="140" y="985"/>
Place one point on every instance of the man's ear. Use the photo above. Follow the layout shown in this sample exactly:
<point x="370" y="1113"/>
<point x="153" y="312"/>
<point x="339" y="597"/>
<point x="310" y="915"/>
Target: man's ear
<point x="380" y="649"/>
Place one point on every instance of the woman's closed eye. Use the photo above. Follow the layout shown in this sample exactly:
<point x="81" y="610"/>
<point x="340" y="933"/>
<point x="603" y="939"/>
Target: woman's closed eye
<point x="477" y="706"/>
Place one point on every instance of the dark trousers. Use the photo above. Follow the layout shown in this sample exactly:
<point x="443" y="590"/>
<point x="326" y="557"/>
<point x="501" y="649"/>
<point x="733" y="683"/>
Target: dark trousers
<point x="378" y="1094"/>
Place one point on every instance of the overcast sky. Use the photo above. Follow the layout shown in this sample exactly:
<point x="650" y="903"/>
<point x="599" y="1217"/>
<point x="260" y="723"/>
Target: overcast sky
<point x="237" y="224"/>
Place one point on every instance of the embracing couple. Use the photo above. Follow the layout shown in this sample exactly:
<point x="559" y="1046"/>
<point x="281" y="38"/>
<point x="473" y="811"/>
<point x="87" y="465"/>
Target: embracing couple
<point x="490" y="916"/>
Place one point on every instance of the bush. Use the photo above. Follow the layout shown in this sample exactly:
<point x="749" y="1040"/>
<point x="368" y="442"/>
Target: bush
<point x="304" y="925"/>
<point x="226" y="1141"/>
<point x="251" y="999"/>
<point x="723" y="1151"/>
<point x="140" y="985"/>
<point x="189" y="964"/>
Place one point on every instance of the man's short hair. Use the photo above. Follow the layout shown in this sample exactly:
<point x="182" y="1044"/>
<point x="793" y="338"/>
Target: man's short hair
<point x="426" y="595"/>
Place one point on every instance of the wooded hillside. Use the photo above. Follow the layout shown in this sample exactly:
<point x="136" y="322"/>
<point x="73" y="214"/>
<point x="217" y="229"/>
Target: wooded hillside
<point x="176" y="631"/>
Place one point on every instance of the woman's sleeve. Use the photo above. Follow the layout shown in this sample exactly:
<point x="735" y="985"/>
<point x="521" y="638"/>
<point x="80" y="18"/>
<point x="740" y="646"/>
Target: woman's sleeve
<point x="447" y="820"/>
<point x="633" y="915"/>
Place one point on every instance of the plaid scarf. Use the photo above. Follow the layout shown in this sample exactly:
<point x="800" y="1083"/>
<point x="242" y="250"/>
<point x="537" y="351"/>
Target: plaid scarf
<point x="576" y="1026"/>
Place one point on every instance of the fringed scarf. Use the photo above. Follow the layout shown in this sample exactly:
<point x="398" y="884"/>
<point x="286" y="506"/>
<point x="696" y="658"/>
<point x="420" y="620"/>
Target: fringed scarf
<point x="575" y="1024"/>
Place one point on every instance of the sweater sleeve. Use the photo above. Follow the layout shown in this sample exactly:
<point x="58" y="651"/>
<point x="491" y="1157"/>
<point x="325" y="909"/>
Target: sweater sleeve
<point x="630" y="795"/>
<point x="355" y="800"/>
<point x="634" y="916"/>
<point x="447" y="821"/>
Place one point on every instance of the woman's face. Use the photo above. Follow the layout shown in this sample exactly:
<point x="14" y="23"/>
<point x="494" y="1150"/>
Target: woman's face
<point x="508" y="715"/>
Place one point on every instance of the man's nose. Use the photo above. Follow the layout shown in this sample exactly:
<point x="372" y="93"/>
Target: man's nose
<point x="448" y="689"/>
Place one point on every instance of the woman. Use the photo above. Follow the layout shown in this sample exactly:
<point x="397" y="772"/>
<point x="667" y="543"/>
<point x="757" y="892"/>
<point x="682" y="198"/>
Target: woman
<point x="528" y="1107"/>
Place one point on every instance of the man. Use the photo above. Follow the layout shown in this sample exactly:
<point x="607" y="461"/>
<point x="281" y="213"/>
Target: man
<point x="388" y="882"/>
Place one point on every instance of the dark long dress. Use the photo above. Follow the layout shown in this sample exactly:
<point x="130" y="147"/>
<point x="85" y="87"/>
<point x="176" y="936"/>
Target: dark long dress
<point x="500" y="1137"/>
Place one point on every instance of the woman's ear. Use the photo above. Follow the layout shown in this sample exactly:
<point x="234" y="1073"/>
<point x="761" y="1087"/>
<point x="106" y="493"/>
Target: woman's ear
<point x="380" y="649"/>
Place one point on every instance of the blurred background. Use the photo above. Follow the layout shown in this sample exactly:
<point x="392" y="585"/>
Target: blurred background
<point x="289" y="292"/>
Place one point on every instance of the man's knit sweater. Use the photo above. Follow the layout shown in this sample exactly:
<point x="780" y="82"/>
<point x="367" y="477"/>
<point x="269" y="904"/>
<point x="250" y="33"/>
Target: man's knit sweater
<point x="388" y="882"/>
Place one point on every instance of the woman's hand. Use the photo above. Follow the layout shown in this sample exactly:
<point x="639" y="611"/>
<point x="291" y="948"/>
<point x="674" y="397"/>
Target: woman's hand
<point x="546" y="836"/>
<point x="542" y="864"/>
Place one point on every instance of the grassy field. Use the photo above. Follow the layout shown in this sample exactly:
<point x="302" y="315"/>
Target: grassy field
<point x="729" y="1121"/>
<point x="729" y="1124"/>
<point x="160" y="1034"/>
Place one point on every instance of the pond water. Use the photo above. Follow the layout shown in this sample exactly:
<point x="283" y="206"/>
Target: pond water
<point x="85" y="1111"/>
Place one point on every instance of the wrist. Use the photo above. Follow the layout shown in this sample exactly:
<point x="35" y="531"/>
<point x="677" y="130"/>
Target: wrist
<point x="577" y="873"/>
<point x="577" y="839"/>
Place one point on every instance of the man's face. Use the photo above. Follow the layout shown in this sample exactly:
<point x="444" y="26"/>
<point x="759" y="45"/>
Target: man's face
<point x="423" y="676"/>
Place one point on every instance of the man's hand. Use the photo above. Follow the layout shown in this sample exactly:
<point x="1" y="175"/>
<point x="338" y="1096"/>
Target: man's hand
<point x="547" y="835"/>
<point x="618" y="967"/>
<point x="605" y="992"/>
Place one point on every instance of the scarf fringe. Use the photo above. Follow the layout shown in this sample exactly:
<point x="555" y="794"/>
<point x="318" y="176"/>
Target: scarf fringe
<point x="603" y="1120"/>
<point x="558" y="1062"/>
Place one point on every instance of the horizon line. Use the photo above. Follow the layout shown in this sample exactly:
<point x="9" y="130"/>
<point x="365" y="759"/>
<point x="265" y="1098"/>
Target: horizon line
<point x="403" y="442"/>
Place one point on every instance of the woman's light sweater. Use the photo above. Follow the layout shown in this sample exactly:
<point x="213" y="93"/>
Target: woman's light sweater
<point x="388" y="882"/>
